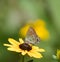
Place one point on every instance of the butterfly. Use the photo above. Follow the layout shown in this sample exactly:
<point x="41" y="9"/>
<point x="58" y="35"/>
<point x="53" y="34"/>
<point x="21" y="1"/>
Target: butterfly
<point x="31" y="37"/>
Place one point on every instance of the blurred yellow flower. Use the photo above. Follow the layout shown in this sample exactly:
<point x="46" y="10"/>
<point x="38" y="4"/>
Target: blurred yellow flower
<point x="40" y="28"/>
<point x="58" y="54"/>
<point x="24" y="48"/>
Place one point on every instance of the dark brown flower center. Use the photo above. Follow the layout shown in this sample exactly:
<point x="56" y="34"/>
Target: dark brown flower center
<point x="25" y="46"/>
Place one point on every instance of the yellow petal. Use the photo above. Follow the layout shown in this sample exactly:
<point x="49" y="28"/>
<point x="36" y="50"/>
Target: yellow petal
<point x="35" y="54"/>
<point x="39" y="23"/>
<point x="21" y="41"/>
<point x="13" y="42"/>
<point x="29" y="54"/>
<point x="24" y="52"/>
<point x="24" y="30"/>
<point x="42" y="32"/>
<point x="14" y="49"/>
<point x="58" y="54"/>
<point x="6" y="45"/>
<point x="38" y="49"/>
<point x="35" y="47"/>
<point x="41" y="50"/>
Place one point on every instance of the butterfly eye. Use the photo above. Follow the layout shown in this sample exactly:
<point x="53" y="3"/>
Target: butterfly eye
<point x="38" y="39"/>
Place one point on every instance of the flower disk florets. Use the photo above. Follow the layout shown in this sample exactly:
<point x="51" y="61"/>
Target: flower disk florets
<point x="25" y="46"/>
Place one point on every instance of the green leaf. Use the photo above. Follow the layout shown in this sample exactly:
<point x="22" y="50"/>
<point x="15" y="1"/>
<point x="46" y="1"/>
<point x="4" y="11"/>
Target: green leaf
<point x="30" y="61"/>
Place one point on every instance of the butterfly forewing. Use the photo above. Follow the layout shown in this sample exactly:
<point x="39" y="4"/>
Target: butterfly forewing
<point x="31" y="36"/>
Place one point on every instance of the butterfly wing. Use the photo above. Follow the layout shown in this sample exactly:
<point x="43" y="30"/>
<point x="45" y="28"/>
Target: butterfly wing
<point x="31" y="36"/>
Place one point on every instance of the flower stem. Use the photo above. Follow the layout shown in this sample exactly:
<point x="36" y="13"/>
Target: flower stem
<point x="23" y="59"/>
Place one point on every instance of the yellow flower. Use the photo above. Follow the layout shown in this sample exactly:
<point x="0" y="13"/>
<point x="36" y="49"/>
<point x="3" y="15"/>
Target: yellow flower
<point x="40" y="28"/>
<point x="24" y="48"/>
<point x="58" y="54"/>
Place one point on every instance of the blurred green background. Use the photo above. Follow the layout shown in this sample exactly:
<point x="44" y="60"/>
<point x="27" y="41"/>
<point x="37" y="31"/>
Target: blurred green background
<point x="13" y="13"/>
